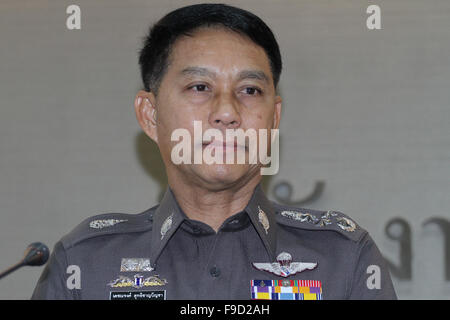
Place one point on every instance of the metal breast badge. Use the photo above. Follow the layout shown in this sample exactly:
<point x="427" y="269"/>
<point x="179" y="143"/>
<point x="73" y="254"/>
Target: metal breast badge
<point x="284" y="266"/>
<point x="135" y="264"/>
<point x="138" y="281"/>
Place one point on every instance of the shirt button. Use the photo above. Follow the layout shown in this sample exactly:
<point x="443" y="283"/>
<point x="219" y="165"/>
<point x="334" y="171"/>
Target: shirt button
<point x="196" y="230"/>
<point x="214" y="271"/>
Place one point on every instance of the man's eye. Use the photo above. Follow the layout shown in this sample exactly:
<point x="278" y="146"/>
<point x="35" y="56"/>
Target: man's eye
<point x="199" y="87"/>
<point x="252" y="91"/>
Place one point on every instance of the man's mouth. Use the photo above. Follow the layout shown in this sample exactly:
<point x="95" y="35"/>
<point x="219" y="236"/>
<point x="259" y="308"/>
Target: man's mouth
<point x="226" y="145"/>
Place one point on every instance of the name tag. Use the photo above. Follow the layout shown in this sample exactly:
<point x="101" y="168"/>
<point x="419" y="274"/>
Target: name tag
<point x="137" y="295"/>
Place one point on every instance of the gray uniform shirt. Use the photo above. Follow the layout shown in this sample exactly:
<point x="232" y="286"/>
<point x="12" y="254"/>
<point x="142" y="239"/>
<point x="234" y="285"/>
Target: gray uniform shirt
<point x="161" y="253"/>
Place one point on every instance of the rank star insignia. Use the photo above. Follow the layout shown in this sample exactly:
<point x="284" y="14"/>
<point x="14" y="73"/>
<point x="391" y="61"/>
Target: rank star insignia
<point x="346" y="224"/>
<point x="100" y="224"/>
<point x="284" y="266"/>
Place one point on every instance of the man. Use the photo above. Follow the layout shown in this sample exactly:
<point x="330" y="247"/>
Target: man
<point x="214" y="235"/>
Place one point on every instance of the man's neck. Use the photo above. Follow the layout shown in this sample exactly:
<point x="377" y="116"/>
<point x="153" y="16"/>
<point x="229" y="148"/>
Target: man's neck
<point x="213" y="207"/>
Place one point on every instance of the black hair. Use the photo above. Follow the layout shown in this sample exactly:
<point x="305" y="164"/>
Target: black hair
<point x="154" y="55"/>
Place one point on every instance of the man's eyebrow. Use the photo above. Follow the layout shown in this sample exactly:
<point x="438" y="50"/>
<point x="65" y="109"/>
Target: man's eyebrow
<point x="253" y="74"/>
<point x="245" y="74"/>
<point x="198" y="71"/>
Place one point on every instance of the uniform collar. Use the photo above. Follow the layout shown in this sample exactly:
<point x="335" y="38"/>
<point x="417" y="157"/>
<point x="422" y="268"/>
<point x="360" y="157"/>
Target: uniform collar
<point x="167" y="219"/>
<point x="262" y="216"/>
<point x="169" y="216"/>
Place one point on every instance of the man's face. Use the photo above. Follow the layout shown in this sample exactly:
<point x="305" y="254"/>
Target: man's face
<point x="224" y="80"/>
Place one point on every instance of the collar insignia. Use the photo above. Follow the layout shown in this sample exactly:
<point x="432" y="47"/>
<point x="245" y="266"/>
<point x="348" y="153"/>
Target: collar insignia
<point x="262" y="216"/>
<point x="166" y="225"/>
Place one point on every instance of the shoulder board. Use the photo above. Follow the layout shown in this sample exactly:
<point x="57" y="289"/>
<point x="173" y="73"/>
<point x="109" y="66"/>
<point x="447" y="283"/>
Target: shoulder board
<point x="109" y="224"/>
<point x="310" y="219"/>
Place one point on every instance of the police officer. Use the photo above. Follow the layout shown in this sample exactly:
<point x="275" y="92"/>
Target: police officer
<point x="215" y="235"/>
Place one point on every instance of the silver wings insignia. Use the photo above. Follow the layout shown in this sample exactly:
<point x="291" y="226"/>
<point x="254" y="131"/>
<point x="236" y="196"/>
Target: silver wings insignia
<point x="285" y="267"/>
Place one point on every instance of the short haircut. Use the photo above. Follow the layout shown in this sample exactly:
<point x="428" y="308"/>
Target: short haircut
<point x="154" y="55"/>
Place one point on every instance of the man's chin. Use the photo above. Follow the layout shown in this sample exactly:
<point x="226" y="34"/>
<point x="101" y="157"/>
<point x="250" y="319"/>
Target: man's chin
<point x="226" y="174"/>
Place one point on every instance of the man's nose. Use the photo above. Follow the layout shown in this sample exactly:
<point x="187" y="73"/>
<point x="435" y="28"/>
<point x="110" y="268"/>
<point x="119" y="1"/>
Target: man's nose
<point x="225" y="112"/>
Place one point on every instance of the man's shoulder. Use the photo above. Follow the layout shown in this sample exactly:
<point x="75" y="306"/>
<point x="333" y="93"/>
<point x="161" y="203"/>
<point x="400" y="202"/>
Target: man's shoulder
<point x="319" y="220"/>
<point x="107" y="224"/>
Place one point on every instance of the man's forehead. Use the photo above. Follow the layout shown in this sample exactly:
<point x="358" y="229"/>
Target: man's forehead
<point x="219" y="46"/>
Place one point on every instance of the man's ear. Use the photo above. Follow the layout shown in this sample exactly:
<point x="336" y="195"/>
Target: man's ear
<point x="146" y="114"/>
<point x="277" y="113"/>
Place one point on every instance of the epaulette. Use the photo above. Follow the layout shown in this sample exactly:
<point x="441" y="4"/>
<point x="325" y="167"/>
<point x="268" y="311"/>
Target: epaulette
<point x="310" y="219"/>
<point x="109" y="224"/>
